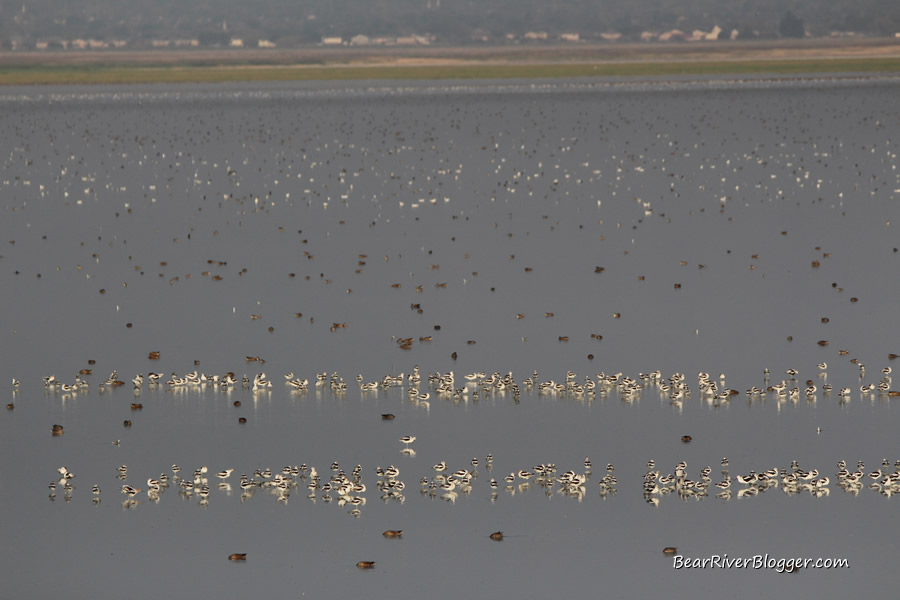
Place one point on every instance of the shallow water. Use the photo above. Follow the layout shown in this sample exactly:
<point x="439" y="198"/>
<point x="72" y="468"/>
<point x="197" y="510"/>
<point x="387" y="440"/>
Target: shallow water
<point x="687" y="226"/>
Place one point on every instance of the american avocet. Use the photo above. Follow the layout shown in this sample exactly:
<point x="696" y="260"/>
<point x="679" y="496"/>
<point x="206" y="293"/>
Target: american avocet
<point x="408" y="439"/>
<point x="225" y="474"/>
<point x="130" y="491"/>
<point x="748" y="479"/>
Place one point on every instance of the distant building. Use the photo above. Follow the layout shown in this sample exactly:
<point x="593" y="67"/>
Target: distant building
<point x="332" y="41"/>
<point x="700" y="35"/>
<point x="360" y="40"/>
<point x="536" y="35"/>
<point x="612" y="36"/>
<point x="92" y="44"/>
<point x="235" y="43"/>
<point x="673" y="34"/>
<point x="265" y="44"/>
<point x="413" y="40"/>
<point x="570" y="37"/>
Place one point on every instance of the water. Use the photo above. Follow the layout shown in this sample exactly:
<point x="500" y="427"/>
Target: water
<point x="617" y="227"/>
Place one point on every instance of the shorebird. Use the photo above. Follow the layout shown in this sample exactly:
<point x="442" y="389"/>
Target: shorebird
<point x="130" y="491"/>
<point x="408" y="439"/>
<point x="748" y="479"/>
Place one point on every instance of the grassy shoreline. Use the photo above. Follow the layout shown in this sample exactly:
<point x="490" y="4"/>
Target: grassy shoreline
<point x="185" y="72"/>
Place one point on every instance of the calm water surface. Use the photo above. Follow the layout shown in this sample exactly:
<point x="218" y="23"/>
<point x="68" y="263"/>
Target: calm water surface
<point x="601" y="228"/>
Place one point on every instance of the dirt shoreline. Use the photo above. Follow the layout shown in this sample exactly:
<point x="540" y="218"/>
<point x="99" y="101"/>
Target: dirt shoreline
<point x="822" y="49"/>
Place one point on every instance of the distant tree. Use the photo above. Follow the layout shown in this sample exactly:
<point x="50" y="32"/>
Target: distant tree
<point x="791" y="26"/>
<point x="213" y="38"/>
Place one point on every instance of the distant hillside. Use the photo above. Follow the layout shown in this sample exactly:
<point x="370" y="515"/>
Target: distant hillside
<point x="25" y="24"/>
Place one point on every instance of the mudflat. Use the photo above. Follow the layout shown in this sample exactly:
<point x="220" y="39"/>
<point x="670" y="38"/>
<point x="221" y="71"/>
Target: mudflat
<point x="110" y="66"/>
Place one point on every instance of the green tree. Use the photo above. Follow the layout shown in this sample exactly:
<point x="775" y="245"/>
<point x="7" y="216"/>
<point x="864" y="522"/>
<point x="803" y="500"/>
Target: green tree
<point x="790" y="26"/>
